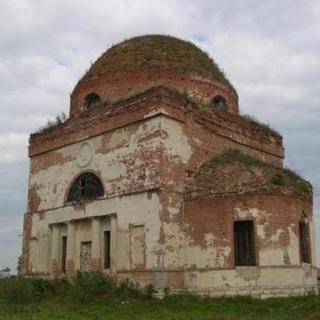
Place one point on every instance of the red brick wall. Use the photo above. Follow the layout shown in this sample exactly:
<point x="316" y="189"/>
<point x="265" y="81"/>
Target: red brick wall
<point x="228" y="130"/>
<point x="27" y="228"/>
<point x="217" y="214"/>
<point x="113" y="88"/>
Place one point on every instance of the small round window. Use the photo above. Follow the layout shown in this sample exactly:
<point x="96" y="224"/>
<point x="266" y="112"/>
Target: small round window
<point x="92" y="100"/>
<point x="219" y="103"/>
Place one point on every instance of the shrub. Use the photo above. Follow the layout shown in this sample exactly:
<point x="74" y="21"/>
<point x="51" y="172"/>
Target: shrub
<point x="88" y="285"/>
<point x="51" y="124"/>
<point x="278" y="180"/>
<point x="129" y="290"/>
<point x="149" y="291"/>
<point x="166" y="291"/>
<point x="22" y="289"/>
<point x="84" y="286"/>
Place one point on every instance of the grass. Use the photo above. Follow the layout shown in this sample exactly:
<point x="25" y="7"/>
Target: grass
<point x="171" y="308"/>
<point x="51" y="124"/>
<point x="157" y="52"/>
<point x="264" y="127"/>
<point x="280" y="177"/>
<point x="96" y="296"/>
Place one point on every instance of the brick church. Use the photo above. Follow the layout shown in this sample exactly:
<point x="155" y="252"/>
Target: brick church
<point x="155" y="176"/>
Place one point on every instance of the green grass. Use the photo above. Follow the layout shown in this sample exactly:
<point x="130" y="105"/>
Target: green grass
<point x="171" y="308"/>
<point x="281" y="177"/>
<point x="264" y="127"/>
<point x="95" y="296"/>
<point x="157" y="52"/>
<point x="51" y="124"/>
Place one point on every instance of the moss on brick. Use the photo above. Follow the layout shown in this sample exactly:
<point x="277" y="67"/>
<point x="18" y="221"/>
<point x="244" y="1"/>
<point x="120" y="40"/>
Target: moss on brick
<point x="156" y="52"/>
<point x="264" y="127"/>
<point x="277" y="177"/>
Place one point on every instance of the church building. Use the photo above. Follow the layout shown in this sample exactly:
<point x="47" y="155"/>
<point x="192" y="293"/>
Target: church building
<point x="156" y="176"/>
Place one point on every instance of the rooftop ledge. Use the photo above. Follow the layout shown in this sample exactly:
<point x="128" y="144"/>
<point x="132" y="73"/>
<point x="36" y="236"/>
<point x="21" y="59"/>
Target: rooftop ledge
<point x="150" y="103"/>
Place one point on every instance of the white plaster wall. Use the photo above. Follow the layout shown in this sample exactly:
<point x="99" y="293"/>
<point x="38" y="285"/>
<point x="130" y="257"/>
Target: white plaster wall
<point x="212" y="256"/>
<point x="132" y="209"/>
<point x="271" y="252"/>
<point x="125" y="156"/>
<point x="176" y="144"/>
<point x="177" y="151"/>
<point x="267" y="277"/>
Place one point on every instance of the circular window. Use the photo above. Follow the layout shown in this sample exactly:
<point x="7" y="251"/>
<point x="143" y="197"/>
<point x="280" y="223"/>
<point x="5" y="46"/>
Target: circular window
<point x="92" y="100"/>
<point x="219" y="103"/>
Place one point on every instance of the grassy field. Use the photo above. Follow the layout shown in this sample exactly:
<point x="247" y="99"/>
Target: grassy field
<point x="97" y="297"/>
<point x="171" y="308"/>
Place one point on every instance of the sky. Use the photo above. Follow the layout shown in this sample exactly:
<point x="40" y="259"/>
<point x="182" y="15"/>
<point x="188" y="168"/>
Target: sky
<point x="270" y="51"/>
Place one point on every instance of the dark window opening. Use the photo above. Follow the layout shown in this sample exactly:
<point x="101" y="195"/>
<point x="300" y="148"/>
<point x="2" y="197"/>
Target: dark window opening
<point x="64" y="255"/>
<point x="219" y="103"/>
<point x="107" y="249"/>
<point x="304" y="242"/>
<point x="85" y="187"/>
<point x="92" y="100"/>
<point x="244" y="243"/>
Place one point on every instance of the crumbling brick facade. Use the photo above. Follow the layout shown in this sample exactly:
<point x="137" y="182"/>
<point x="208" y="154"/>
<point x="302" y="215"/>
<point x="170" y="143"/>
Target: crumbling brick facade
<point x="173" y="169"/>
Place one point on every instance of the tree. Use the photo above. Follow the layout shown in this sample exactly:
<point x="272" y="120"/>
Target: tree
<point x="5" y="272"/>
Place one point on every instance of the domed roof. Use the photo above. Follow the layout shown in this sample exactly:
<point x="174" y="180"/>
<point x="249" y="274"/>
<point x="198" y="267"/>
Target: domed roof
<point x="156" y="52"/>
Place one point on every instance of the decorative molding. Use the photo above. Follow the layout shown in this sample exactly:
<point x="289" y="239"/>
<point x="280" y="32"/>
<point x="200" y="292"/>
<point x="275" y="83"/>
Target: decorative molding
<point x="85" y="154"/>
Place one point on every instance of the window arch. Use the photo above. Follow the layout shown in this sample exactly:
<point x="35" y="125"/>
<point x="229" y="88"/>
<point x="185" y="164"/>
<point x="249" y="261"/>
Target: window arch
<point x="92" y="100"/>
<point x="86" y="187"/>
<point x="219" y="103"/>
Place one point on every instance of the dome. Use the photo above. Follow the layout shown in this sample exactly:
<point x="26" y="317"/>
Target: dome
<point x="140" y="63"/>
<point x="156" y="52"/>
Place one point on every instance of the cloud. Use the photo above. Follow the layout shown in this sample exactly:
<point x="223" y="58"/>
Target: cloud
<point x="11" y="145"/>
<point x="267" y="48"/>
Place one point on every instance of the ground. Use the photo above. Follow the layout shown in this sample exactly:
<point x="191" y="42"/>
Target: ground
<point x="171" y="308"/>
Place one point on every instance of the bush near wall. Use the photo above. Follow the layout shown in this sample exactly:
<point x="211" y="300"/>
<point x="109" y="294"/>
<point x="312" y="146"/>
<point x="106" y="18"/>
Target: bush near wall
<point x="82" y="287"/>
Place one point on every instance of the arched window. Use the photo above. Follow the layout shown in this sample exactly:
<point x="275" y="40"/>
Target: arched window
<point x="86" y="187"/>
<point x="219" y="103"/>
<point x="91" y="101"/>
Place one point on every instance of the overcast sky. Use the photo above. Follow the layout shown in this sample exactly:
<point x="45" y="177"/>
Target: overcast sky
<point x="270" y="51"/>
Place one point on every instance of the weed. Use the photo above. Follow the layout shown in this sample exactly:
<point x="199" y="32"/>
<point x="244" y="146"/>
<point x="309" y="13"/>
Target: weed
<point x="264" y="127"/>
<point x="51" y="124"/>
<point x="280" y="177"/>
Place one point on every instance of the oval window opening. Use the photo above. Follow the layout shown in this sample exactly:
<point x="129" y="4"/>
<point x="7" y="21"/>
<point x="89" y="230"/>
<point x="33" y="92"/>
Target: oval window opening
<point x="92" y="100"/>
<point x="219" y="103"/>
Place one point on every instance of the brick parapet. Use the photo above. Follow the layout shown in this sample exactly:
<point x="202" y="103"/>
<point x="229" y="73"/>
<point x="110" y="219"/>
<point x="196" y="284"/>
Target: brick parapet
<point x="154" y="102"/>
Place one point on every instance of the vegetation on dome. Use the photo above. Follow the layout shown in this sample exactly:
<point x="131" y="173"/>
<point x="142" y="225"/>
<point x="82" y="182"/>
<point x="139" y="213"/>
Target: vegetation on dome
<point x="157" y="52"/>
<point x="264" y="127"/>
<point x="51" y="124"/>
<point x="280" y="177"/>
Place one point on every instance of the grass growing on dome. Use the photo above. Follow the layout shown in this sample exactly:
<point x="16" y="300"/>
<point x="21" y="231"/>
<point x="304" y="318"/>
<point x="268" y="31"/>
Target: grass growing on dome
<point x="264" y="127"/>
<point x="281" y="177"/>
<point x="157" y="52"/>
